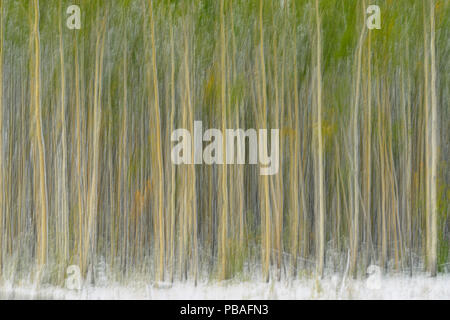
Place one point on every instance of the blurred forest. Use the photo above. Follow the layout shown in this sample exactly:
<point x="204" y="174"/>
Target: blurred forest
<point x="86" y="116"/>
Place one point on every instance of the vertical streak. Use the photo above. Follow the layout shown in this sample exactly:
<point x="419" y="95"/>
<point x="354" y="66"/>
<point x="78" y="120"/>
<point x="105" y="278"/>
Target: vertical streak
<point x="224" y="215"/>
<point x="434" y="147"/>
<point x="64" y="205"/>
<point x="2" y="233"/>
<point x="42" y="234"/>
<point x="320" y="255"/>
<point x="356" y="158"/>
<point x="159" y="151"/>
<point x="266" y="223"/>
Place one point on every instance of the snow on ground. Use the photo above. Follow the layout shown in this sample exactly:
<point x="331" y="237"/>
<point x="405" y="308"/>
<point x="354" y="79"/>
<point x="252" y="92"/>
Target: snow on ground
<point x="392" y="287"/>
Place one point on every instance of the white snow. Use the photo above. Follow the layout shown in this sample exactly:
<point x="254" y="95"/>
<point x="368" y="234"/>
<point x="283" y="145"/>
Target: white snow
<point x="391" y="287"/>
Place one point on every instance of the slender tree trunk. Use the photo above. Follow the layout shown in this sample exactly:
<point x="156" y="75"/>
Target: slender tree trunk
<point x="434" y="148"/>
<point x="62" y="195"/>
<point x="355" y="168"/>
<point x="320" y="196"/>
<point x="173" y="170"/>
<point x="77" y="169"/>
<point x="159" y="151"/>
<point x="266" y="217"/>
<point x="90" y="239"/>
<point x="2" y="160"/>
<point x="41" y="249"/>
<point x="427" y="129"/>
<point x="368" y="155"/>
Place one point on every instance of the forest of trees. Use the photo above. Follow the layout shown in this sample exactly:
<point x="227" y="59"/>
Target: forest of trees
<point x="86" y="118"/>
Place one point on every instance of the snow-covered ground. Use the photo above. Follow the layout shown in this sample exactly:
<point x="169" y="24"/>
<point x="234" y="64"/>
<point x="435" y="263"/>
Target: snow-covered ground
<point x="392" y="287"/>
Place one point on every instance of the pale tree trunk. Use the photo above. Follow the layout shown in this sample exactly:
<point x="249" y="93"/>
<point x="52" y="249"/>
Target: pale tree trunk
<point x="159" y="150"/>
<point x="355" y="167"/>
<point x="89" y="241"/>
<point x="62" y="183"/>
<point x="368" y="154"/>
<point x="192" y="205"/>
<point x="78" y="134"/>
<point x="319" y="197"/>
<point x="434" y="149"/>
<point x="2" y="164"/>
<point x="294" y="168"/>
<point x="266" y="216"/>
<point x="224" y="187"/>
<point x="173" y="170"/>
<point x="41" y="248"/>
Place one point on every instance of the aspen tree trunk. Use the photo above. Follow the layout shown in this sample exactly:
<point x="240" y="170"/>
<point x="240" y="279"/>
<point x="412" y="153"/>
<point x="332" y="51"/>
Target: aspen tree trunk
<point x="23" y="175"/>
<point x="407" y="174"/>
<point x="78" y="137"/>
<point x="185" y="189"/>
<point x="320" y="196"/>
<point x="239" y="172"/>
<point x="159" y="151"/>
<point x="63" y="202"/>
<point x="368" y="153"/>
<point x="427" y="131"/>
<point x="294" y="168"/>
<point x="265" y="219"/>
<point x="123" y="149"/>
<point x="89" y="241"/>
<point x="173" y="170"/>
<point x="276" y="182"/>
<point x="224" y="186"/>
<point x="2" y="161"/>
<point x="41" y="249"/>
<point x="434" y="148"/>
<point x="382" y="226"/>
<point x="355" y="168"/>
<point x="192" y="209"/>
